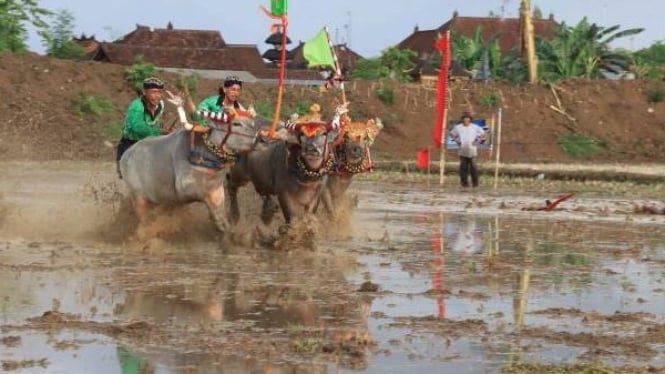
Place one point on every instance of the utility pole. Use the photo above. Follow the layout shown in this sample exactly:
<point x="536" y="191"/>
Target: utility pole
<point x="528" y="41"/>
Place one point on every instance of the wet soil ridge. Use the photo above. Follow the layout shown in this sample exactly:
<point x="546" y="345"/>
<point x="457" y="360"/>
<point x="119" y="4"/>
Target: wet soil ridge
<point x="42" y="121"/>
<point x="56" y="321"/>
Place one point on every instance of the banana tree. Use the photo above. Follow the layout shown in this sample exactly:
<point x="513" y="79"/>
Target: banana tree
<point x="471" y="53"/>
<point x="582" y="51"/>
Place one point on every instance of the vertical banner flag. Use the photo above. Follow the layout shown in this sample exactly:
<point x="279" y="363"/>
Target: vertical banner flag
<point x="443" y="45"/>
<point x="317" y="51"/>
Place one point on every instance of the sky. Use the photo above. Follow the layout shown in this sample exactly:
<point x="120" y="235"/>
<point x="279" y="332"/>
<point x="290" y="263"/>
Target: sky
<point x="367" y="26"/>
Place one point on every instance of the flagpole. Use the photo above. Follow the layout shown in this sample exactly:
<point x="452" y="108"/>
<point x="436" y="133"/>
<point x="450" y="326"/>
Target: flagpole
<point x="338" y="70"/>
<point x="282" y="68"/>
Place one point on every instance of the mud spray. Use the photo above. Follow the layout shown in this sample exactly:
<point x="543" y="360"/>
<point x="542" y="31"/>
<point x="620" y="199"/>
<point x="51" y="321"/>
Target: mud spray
<point x="91" y="207"/>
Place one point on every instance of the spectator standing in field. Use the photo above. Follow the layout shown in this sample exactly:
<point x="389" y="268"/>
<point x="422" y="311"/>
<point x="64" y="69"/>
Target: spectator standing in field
<point x="468" y="135"/>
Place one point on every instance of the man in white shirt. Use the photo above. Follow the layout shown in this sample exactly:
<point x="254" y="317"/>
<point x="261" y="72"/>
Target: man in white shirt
<point x="467" y="135"/>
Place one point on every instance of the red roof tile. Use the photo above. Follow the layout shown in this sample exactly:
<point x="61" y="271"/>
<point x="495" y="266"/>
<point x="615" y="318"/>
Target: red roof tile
<point x="420" y="41"/>
<point x="229" y="58"/>
<point x="176" y="38"/>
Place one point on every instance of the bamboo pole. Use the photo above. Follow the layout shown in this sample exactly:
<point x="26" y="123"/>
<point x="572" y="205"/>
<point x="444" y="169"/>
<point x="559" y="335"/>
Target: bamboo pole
<point x="337" y="67"/>
<point x="497" y="159"/>
<point x="529" y="41"/>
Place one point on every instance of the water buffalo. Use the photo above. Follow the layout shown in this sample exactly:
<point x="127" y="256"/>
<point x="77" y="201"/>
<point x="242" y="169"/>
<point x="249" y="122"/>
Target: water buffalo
<point x="352" y="156"/>
<point x="295" y="170"/>
<point x="161" y="170"/>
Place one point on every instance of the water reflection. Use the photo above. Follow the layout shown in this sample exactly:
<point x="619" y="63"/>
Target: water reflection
<point x="203" y="310"/>
<point x="514" y="275"/>
<point x="256" y="300"/>
<point x="466" y="236"/>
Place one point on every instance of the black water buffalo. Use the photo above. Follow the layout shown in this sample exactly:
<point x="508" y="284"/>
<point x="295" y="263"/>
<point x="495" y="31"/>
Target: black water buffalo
<point x="295" y="170"/>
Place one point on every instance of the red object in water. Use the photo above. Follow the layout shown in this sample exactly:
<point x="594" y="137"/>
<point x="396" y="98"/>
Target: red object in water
<point x="422" y="161"/>
<point x="551" y="205"/>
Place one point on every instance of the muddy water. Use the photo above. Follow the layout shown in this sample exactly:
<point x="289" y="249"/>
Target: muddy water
<point x="456" y="282"/>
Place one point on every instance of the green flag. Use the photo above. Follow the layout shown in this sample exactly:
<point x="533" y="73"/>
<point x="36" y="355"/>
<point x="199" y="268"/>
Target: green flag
<point x="317" y="51"/>
<point x="278" y="7"/>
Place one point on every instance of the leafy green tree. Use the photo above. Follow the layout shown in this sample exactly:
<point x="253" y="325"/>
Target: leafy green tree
<point x="394" y="63"/>
<point x="58" y="38"/>
<point x="14" y="14"/>
<point x="370" y="69"/>
<point x="650" y="62"/>
<point x="138" y="71"/>
<point x="399" y="62"/>
<point x="654" y="54"/>
<point x="582" y="51"/>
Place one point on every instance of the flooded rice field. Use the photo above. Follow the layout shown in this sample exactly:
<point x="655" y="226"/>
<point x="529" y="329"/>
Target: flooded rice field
<point x="414" y="280"/>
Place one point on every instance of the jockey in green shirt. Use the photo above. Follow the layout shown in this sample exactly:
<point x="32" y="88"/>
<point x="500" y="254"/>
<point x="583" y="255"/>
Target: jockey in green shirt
<point x="229" y="93"/>
<point x="144" y="116"/>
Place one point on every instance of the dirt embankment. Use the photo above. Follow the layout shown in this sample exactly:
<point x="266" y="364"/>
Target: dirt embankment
<point x="41" y="120"/>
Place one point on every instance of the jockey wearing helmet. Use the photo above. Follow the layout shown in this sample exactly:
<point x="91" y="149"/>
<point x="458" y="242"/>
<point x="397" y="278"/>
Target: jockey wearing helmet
<point x="144" y="117"/>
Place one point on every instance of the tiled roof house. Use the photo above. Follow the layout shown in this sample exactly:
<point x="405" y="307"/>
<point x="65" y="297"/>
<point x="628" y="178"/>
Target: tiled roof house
<point x="202" y="51"/>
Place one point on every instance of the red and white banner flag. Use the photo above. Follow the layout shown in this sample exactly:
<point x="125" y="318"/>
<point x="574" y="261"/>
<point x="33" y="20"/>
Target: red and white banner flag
<point x="443" y="45"/>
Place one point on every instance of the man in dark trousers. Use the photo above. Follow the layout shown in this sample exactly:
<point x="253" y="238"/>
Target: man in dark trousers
<point x="467" y="135"/>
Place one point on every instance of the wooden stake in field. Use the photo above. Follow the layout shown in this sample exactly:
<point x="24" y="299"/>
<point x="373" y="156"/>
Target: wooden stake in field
<point x="497" y="158"/>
